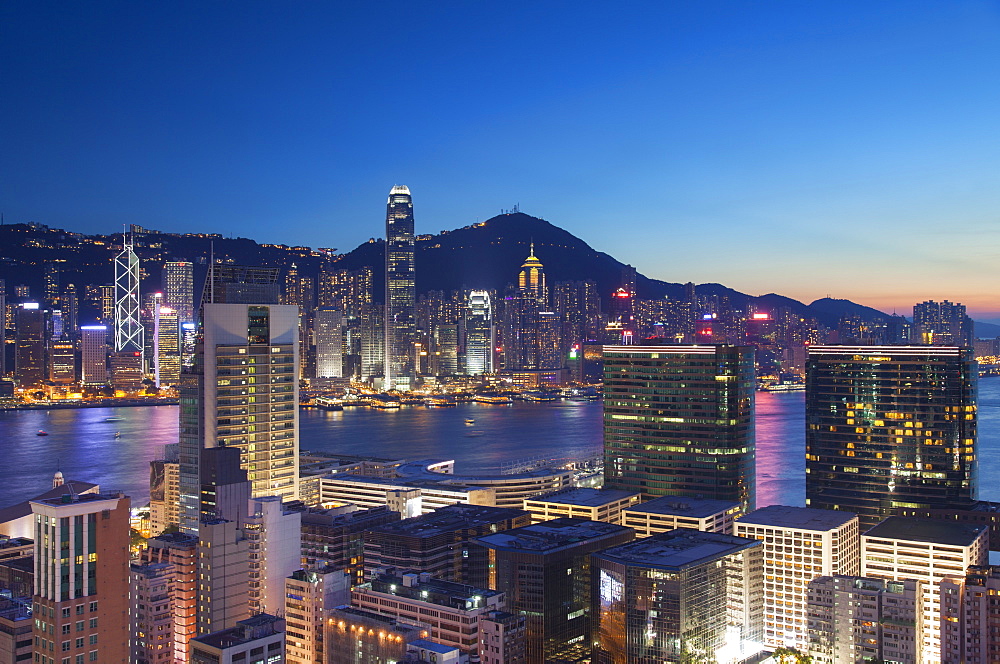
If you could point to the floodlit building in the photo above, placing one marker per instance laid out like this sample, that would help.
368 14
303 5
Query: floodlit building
800 544
180 551
926 551
151 620
309 594
354 635
679 596
94 354
660 515
970 616
400 290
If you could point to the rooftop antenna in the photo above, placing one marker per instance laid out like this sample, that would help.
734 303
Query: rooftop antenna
211 272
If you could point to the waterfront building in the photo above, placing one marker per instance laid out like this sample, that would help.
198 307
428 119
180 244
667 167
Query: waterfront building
178 289
666 513
151 622
800 544
678 421
62 362
180 551
3 328
309 594
242 391
15 630
167 335
595 504
942 324
126 371
29 352
371 326
435 543
258 639
890 427
970 616
479 336
452 610
926 551
94 354
501 638
544 570
81 578
329 343
335 539
129 333
855 619
274 537
354 635
400 290
223 576
680 596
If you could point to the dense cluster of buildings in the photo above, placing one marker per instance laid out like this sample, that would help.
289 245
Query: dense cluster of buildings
258 555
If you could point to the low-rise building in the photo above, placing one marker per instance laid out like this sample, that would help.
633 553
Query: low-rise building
15 630
663 514
354 635
501 638
151 618
256 640
452 610
855 619
582 503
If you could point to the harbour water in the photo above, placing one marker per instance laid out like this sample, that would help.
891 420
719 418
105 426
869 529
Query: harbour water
82 443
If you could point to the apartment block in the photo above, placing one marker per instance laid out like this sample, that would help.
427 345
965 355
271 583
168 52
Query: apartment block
668 512
970 617
309 594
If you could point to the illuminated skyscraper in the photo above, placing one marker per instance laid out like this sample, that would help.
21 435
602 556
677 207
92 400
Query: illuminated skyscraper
890 427
178 288
679 421
531 279
242 391
478 334
942 324
329 343
400 289
94 354
29 358
128 328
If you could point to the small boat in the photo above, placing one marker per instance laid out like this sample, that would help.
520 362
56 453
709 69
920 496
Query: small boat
118 434
470 421
114 419
42 432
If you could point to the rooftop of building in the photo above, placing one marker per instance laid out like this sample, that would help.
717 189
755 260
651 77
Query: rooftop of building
549 536
798 518
22 563
77 498
23 509
420 470
15 608
260 626
449 518
584 496
176 538
931 531
423 587
150 570
696 508
677 549
349 612
432 646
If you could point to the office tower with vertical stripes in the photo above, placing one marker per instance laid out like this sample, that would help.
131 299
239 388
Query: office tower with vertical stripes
400 290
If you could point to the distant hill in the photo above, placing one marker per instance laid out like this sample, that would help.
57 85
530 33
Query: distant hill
486 255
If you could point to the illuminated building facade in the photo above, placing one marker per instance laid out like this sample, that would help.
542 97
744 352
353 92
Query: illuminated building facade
128 327
942 324
329 331
681 596
94 354
62 362
890 427
178 289
309 594
678 421
479 338
545 572
29 355
400 290
354 635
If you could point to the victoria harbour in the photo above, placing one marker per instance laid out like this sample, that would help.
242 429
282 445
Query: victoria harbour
82 443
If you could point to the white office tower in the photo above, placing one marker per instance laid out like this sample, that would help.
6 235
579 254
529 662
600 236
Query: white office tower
479 338
927 551
329 331
275 538
94 354
309 594
800 544
242 391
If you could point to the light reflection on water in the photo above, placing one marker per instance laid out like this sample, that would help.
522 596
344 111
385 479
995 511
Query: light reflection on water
82 444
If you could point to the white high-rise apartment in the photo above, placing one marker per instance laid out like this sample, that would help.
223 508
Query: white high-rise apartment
800 544
928 551
309 594
329 330
275 539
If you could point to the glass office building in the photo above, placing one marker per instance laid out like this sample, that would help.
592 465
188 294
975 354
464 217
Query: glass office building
890 427
678 421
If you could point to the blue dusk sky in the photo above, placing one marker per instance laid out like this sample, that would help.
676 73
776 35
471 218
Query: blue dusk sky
842 148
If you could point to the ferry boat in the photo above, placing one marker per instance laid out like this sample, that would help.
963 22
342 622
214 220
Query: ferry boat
781 387
492 398
42 432
383 403
439 402
538 396
328 403
470 421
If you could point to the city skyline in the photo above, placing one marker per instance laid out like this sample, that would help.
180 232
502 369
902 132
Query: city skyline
825 150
